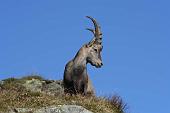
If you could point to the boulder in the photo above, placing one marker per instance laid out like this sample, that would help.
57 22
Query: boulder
53 88
50 87
1 82
53 109
34 85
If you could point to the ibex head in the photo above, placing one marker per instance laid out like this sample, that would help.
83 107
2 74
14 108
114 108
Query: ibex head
95 45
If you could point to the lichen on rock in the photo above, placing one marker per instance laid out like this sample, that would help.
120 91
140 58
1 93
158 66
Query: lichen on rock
53 109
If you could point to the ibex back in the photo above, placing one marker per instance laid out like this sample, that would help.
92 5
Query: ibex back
76 80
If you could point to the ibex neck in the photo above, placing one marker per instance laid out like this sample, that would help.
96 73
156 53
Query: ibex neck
80 58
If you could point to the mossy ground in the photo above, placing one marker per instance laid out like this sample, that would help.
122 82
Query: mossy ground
14 95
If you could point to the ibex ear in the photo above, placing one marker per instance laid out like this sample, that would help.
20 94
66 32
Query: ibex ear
98 41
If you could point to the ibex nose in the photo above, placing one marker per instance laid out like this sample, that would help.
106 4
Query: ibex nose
101 63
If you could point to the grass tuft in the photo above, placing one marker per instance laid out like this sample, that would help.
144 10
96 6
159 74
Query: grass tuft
117 102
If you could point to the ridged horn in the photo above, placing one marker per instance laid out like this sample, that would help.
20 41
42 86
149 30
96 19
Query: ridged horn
96 32
91 30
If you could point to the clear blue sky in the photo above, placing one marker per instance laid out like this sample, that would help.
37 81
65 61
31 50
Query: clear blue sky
41 36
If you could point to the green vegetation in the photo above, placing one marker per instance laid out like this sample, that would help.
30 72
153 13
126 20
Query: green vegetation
14 95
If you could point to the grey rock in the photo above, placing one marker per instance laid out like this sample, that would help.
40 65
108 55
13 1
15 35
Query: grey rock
50 87
53 88
1 82
33 85
22 110
53 109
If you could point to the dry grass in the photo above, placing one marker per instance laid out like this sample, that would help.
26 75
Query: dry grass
32 76
14 95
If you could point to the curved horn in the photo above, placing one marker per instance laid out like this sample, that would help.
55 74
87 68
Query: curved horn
91 30
97 27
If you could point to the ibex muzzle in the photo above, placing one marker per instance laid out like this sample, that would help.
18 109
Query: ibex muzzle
76 80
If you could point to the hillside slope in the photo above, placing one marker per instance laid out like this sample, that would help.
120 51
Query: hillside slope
34 94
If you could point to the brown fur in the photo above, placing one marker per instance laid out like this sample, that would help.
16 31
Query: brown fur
76 80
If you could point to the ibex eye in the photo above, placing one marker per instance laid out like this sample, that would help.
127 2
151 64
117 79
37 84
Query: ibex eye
95 50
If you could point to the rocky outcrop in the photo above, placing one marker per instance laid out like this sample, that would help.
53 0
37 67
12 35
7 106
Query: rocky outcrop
53 109
34 94
53 88
50 87
33 85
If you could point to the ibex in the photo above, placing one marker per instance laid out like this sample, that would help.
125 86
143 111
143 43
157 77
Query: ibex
76 79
